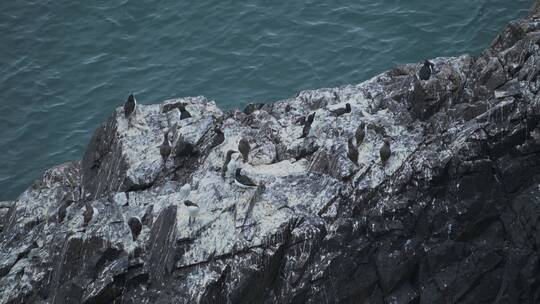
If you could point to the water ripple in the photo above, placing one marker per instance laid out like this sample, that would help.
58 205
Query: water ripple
65 66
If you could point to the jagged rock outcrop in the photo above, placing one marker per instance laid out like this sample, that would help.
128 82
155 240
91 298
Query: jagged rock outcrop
452 217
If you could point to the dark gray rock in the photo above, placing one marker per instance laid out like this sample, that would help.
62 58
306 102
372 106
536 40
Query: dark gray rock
452 217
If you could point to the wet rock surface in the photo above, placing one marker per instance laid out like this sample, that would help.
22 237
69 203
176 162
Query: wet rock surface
452 217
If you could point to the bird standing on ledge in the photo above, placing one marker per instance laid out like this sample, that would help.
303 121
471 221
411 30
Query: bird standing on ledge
243 181
341 111
385 151
307 125
130 107
244 148
165 148
193 211
360 134
426 70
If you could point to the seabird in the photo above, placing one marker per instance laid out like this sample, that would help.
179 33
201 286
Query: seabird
244 148
307 125
336 96
165 148
129 106
385 151
135 225
242 180
219 138
360 134
193 210
341 111
352 152
426 70
185 190
183 112
88 213
226 163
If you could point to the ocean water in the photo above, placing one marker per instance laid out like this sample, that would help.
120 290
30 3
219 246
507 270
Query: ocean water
65 65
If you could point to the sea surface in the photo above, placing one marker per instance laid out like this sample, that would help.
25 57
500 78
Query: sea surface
65 65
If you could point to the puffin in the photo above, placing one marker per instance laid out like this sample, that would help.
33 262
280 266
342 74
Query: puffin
129 106
228 158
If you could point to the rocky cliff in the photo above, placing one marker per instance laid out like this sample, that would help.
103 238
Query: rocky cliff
453 216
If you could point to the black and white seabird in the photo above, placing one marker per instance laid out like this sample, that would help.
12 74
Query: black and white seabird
242 180
135 226
165 148
183 112
227 161
426 70
360 134
341 111
307 125
385 151
352 151
244 148
193 210
218 139
129 106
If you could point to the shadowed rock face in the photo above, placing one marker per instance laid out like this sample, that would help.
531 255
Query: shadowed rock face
453 216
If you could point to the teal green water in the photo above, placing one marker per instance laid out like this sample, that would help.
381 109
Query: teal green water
65 65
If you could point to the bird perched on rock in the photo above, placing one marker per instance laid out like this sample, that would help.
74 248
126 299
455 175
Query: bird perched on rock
243 181
135 226
426 70
183 112
307 125
193 210
341 111
228 158
360 134
165 148
129 106
218 139
385 151
89 213
244 148
352 152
